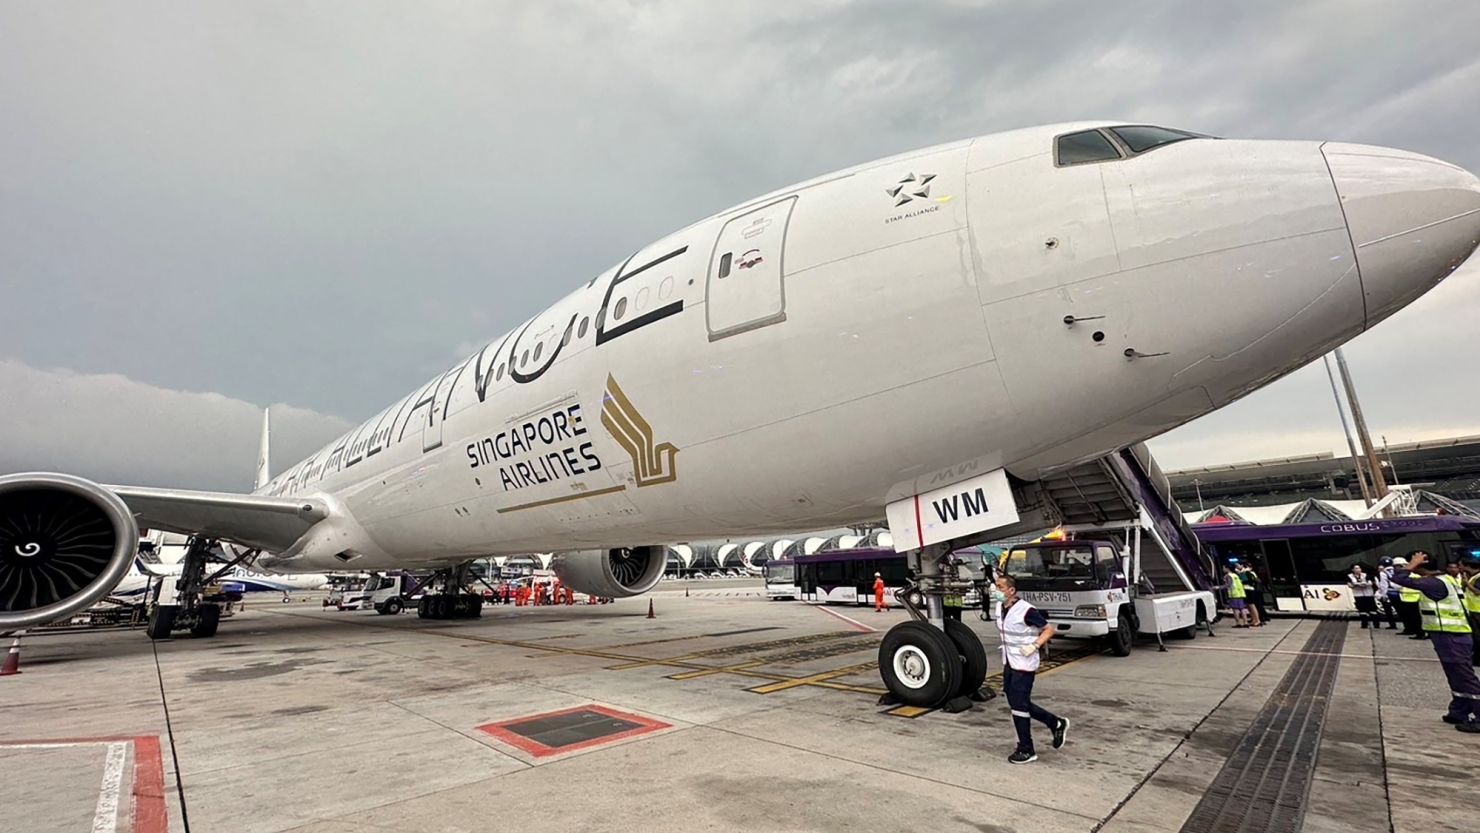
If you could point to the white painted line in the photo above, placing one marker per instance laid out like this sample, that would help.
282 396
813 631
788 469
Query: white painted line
4 746
848 619
105 819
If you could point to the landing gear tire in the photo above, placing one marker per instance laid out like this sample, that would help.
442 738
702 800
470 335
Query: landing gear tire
161 620
921 666
208 619
1123 637
973 657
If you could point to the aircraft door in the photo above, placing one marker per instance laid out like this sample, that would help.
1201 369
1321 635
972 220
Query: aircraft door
745 290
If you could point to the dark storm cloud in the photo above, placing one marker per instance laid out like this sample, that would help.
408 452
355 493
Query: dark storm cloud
326 204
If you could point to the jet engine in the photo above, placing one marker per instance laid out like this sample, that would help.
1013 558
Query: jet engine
613 573
65 542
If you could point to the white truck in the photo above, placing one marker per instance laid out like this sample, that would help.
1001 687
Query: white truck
388 594
1096 586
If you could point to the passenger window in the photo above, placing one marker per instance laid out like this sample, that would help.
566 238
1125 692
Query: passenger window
500 374
621 308
1141 138
1089 146
584 322
724 264
538 349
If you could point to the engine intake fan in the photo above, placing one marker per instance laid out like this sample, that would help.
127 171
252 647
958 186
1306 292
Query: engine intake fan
65 542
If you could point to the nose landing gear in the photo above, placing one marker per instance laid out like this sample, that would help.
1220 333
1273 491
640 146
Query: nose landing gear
931 661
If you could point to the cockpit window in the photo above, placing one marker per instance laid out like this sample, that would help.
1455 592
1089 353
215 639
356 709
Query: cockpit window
1089 146
1141 138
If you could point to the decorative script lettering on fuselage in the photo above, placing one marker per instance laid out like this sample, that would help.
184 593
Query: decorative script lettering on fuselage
539 450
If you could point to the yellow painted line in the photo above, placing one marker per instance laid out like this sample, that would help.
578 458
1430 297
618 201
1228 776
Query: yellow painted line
823 677
643 663
564 498
708 672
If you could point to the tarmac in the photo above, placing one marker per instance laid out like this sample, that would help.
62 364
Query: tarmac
725 712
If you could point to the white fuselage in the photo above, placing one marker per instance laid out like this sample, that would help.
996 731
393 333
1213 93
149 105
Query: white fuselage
801 360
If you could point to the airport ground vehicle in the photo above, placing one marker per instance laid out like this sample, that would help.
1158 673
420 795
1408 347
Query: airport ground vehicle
781 580
387 593
847 576
1094 587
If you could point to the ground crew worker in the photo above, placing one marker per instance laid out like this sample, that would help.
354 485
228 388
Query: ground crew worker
1471 569
1024 631
1235 587
1442 612
1408 604
879 593
953 605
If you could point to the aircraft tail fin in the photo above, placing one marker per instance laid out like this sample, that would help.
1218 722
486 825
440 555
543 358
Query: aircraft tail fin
264 472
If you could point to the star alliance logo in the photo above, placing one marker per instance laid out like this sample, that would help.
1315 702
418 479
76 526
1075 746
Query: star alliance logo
911 189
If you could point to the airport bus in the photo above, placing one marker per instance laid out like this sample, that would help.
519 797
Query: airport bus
847 576
781 581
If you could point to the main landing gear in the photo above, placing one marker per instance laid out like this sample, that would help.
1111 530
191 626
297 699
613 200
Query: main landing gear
180 603
932 661
452 601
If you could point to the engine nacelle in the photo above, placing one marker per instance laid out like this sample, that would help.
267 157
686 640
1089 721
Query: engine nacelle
614 573
65 542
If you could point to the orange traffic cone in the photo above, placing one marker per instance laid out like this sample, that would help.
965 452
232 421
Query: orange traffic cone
12 659
651 614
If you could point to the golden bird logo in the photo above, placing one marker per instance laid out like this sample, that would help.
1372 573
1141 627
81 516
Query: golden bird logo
652 463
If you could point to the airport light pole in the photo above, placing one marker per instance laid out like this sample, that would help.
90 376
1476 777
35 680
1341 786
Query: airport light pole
1346 431
1374 467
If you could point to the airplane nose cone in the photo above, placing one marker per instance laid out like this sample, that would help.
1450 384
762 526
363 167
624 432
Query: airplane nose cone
1413 220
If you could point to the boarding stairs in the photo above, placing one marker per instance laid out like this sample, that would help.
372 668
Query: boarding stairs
1123 492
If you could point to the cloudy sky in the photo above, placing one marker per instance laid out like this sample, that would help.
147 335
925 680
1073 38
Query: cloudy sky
210 207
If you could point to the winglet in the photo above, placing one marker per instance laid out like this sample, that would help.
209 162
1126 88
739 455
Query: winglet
264 473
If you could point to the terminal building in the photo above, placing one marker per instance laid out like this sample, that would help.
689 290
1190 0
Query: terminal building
1302 522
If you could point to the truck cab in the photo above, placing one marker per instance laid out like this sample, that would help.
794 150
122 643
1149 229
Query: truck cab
1088 589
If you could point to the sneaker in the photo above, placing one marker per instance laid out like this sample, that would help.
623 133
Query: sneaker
1471 726
1021 757
1060 732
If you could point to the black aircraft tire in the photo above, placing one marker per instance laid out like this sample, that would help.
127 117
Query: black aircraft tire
207 621
921 666
973 657
161 620
1123 637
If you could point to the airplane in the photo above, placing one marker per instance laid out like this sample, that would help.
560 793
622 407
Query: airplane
234 580
966 319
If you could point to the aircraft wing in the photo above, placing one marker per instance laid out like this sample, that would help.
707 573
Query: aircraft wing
269 523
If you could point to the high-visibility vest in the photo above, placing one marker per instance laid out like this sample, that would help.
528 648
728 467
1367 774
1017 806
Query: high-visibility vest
1235 587
1408 594
1448 614
1472 595
1015 632
951 600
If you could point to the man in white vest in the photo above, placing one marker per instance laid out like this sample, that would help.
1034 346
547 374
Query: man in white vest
1024 631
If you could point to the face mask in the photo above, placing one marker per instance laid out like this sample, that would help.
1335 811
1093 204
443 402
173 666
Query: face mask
998 595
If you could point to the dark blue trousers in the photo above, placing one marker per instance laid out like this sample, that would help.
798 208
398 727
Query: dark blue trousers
1018 686
1456 656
